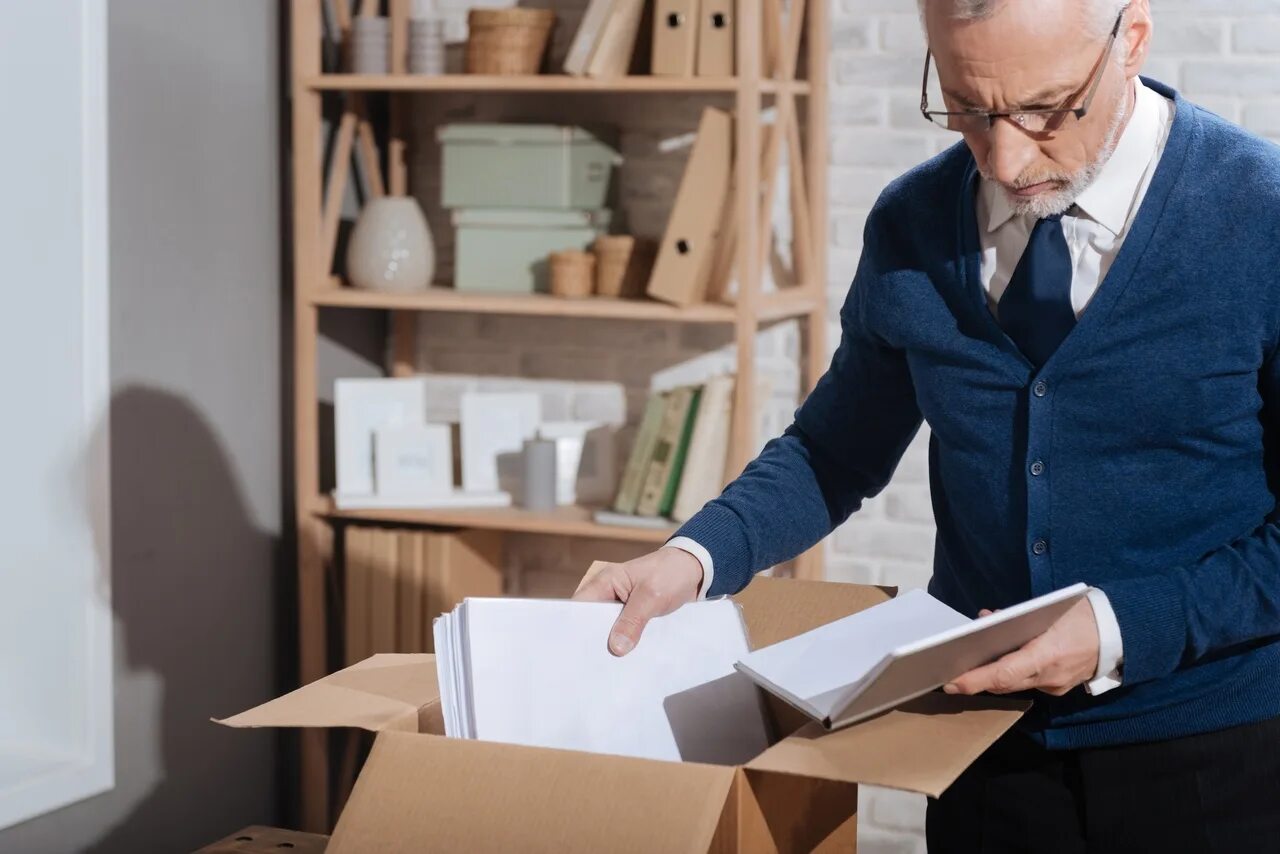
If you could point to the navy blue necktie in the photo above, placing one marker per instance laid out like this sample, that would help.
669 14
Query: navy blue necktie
1035 310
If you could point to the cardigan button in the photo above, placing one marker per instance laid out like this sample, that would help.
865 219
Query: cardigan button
1040 547
1037 468
1040 389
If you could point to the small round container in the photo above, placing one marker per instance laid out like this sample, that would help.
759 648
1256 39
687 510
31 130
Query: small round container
573 273
624 264
508 41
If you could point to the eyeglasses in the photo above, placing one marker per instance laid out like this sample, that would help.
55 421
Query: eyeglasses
1033 121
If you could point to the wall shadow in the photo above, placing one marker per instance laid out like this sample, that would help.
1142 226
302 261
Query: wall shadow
195 587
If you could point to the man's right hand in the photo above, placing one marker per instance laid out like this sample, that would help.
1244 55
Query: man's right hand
649 586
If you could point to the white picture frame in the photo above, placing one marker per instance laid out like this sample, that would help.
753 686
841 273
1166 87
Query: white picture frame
361 408
495 426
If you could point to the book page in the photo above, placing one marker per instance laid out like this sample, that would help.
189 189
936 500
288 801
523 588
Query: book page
831 657
541 674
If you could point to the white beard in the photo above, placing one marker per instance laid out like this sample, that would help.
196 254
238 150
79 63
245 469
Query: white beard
1054 202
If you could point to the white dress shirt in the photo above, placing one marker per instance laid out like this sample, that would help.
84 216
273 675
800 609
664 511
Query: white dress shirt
1094 229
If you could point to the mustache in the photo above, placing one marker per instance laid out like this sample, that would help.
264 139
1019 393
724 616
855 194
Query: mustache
1023 181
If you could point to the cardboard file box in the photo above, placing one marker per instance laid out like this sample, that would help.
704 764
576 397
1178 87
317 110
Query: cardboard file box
505 250
525 166
422 792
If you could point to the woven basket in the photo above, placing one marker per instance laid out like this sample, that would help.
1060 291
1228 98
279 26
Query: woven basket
624 265
508 41
573 273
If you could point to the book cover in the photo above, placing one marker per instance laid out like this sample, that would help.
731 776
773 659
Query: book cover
587 37
664 451
641 454
703 476
617 41
681 454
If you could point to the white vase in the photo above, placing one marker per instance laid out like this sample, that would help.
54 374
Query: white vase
390 247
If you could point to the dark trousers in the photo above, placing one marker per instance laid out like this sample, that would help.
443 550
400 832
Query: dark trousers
1218 792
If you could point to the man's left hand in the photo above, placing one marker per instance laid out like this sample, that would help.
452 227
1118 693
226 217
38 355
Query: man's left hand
1060 659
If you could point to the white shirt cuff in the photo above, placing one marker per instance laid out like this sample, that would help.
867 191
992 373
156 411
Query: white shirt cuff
704 557
1110 646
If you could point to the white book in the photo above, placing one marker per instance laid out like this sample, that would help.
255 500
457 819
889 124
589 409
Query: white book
874 660
538 672
587 37
708 453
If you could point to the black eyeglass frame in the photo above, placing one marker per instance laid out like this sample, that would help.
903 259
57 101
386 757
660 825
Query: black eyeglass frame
1079 112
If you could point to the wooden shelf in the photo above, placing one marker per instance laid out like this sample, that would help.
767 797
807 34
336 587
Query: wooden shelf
564 521
774 306
537 83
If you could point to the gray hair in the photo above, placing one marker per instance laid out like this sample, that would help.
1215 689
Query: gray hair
1101 16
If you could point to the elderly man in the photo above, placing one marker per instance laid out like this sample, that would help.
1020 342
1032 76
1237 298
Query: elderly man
1080 299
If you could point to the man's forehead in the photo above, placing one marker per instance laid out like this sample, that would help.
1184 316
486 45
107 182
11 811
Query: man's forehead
1013 55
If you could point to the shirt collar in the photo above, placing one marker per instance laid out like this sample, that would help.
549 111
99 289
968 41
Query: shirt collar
1110 197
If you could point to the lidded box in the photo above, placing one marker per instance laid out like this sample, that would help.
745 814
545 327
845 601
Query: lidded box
507 249
525 166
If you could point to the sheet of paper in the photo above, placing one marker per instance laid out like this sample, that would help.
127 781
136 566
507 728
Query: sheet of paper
845 651
540 673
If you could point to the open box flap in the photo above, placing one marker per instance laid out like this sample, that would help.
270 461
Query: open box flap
384 692
430 793
922 746
775 609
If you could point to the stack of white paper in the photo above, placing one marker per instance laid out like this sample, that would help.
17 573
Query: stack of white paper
871 661
538 672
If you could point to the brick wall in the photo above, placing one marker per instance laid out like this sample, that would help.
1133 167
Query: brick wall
1220 53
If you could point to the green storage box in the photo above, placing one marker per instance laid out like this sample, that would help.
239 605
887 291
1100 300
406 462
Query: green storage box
505 250
525 166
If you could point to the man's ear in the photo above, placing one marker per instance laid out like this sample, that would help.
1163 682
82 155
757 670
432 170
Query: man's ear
1137 33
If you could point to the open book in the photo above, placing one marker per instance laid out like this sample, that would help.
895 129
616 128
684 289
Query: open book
871 661
538 672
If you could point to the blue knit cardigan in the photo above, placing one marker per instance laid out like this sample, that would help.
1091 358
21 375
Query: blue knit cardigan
1154 426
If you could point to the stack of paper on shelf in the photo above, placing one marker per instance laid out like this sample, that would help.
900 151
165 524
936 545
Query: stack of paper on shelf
874 660
538 672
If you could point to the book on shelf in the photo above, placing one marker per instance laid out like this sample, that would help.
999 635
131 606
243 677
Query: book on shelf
617 43
678 459
641 455
703 475
587 36
663 475
606 39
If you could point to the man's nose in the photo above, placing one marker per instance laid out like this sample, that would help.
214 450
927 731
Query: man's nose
1009 152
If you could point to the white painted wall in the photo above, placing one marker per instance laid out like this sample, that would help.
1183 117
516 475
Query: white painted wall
55 611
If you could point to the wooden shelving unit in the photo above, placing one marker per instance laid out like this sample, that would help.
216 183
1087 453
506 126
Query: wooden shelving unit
772 307
552 83
564 521
769 45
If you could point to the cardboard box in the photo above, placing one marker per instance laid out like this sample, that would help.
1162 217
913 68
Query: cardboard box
420 791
